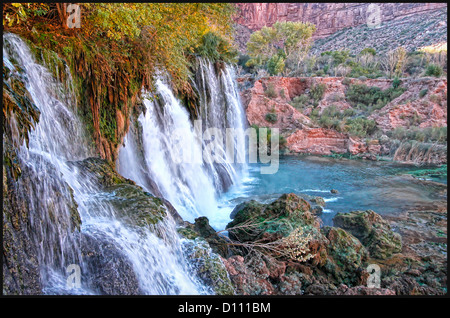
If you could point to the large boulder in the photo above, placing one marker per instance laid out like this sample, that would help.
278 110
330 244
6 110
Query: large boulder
253 220
372 230
207 266
106 271
133 203
347 257
135 206
285 228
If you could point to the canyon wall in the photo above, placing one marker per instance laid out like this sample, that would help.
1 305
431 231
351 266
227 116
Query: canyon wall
304 135
328 17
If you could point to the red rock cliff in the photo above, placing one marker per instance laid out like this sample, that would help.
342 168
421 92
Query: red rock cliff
328 17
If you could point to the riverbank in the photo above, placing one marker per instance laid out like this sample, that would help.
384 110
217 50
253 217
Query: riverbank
280 248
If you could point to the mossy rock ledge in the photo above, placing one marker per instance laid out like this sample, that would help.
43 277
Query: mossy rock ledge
131 203
372 230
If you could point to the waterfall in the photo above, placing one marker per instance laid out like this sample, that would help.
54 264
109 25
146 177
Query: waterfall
54 187
152 154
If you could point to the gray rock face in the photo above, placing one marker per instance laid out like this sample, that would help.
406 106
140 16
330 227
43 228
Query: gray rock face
106 270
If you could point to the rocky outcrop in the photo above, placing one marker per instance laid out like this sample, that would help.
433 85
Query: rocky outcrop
259 103
411 32
268 100
263 263
328 17
125 192
319 141
423 104
281 249
374 232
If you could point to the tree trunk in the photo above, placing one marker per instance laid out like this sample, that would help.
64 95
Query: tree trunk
63 15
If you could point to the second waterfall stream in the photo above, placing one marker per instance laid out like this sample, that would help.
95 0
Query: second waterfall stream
152 153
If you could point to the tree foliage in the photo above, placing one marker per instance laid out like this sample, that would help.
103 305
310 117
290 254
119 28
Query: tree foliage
293 39
119 47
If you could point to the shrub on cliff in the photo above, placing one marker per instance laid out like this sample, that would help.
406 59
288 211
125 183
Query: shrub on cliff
360 127
433 70
316 92
271 118
369 98
216 48
270 91
300 102
427 134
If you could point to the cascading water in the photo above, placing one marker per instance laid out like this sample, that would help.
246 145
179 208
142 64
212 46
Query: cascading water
154 152
52 184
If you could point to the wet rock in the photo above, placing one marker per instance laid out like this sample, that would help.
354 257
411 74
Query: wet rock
334 191
131 200
208 266
135 206
30 227
316 210
100 169
372 230
187 231
318 200
106 270
21 274
218 244
347 257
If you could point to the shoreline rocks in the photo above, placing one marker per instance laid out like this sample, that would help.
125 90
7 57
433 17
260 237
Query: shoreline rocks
280 248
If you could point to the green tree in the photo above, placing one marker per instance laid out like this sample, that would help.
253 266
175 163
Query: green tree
292 38
276 64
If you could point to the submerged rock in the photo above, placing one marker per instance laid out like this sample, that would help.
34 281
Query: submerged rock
318 200
372 230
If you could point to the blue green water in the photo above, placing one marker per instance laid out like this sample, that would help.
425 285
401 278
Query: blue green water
361 185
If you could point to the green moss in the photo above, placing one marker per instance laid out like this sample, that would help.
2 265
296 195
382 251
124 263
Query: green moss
280 218
134 205
102 171
209 267
187 233
437 172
